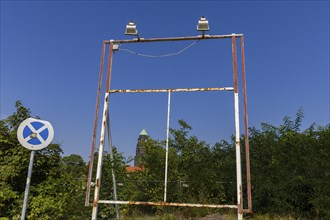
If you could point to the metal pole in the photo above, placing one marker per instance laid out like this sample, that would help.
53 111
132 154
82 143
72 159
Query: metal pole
237 134
27 186
107 87
246 129
100 159
91 157
101 148
112 163
167 137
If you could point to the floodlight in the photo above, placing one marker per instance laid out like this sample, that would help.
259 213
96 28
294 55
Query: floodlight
131 29
203 24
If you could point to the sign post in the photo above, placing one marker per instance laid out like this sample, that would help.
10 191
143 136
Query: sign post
27 186
33 134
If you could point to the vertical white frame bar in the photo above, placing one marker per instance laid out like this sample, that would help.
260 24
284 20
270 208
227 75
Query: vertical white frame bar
238 160
167 140
237 135
100 158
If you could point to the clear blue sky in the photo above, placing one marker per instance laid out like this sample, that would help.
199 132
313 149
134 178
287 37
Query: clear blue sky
50 54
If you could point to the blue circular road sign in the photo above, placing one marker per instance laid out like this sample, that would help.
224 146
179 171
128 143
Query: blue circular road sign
35 134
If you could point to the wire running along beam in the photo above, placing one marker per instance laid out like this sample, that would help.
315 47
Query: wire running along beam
159 56
148 40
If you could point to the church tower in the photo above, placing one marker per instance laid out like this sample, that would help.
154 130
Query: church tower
139 147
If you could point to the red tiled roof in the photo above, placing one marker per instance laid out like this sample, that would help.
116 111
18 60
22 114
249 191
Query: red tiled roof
131 169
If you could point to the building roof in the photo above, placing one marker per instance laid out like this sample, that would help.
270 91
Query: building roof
130 169
143 132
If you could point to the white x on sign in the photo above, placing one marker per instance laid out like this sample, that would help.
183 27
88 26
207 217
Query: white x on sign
35 134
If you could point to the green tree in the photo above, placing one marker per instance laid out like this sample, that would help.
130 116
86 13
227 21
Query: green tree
118 165
56 185
290 173
62 194
14 161
192 176
290 169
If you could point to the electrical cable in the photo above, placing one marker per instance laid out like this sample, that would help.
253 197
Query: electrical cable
160 56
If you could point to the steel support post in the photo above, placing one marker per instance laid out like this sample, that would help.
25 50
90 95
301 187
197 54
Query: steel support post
237 134
246 129
108 80
27 186
167 139
100 158
91 157
102 139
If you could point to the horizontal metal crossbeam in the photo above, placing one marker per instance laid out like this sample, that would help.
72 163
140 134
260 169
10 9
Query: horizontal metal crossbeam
167 204
171 90
146 40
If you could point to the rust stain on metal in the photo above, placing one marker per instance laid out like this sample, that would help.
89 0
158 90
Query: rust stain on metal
94 203
247 211
234 54
107 87
240 205
105 115
240 208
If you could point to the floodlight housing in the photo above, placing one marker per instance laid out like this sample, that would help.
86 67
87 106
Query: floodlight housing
203 24
131 29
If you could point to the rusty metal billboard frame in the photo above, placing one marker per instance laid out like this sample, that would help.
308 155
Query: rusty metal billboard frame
105 120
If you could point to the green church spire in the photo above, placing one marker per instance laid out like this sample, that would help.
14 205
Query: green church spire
143 132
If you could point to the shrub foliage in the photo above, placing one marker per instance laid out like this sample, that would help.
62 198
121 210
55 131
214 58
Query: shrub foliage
290 174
